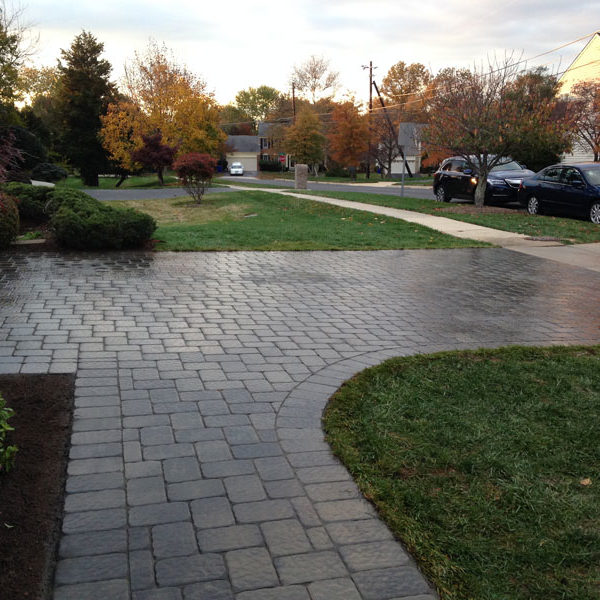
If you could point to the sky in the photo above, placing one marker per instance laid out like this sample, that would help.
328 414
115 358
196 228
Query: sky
235 45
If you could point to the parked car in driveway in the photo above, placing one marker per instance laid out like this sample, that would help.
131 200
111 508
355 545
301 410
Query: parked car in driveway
236 168
565 189
455 178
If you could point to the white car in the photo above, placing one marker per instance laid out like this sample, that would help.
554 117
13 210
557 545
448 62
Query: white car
236 168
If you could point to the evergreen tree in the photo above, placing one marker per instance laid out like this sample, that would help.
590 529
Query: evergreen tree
84 94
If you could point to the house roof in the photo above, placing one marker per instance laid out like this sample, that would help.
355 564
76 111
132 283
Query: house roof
264 128
243 143
409 136
585 67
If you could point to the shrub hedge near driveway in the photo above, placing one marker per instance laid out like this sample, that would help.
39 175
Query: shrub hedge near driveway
83 223
9 220
79 221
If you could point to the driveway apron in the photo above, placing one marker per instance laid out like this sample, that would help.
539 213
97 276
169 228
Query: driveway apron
198 467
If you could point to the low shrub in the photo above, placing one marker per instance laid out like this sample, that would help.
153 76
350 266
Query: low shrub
83 223
271 165
196 171
9 220
48 172
7 453
56 197
31 200
337 171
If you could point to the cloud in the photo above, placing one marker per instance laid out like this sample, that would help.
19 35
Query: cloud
258 42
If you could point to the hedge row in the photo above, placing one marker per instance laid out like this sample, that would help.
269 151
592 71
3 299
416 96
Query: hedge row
87 224
78 220
9 221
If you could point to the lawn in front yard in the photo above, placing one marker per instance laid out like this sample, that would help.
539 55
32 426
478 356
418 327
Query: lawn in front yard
485 464
254 220
569 231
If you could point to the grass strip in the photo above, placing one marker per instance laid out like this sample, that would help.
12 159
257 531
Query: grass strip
254 220
485 464
569 231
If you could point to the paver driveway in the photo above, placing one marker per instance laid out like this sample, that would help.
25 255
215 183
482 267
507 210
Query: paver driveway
198 468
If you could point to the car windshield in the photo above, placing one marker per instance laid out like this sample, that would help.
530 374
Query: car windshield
236 166
507 166
592 174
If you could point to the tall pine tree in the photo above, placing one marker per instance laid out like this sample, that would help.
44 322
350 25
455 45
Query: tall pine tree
84 94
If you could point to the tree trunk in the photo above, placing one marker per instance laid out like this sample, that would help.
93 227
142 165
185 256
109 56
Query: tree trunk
480 192
122 178
160 176
90 178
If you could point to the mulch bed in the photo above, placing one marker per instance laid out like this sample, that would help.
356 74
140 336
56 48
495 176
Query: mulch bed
471 209
31 494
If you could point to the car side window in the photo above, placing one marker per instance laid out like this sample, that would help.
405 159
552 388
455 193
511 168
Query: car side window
447 166
459 165
571 176
552 174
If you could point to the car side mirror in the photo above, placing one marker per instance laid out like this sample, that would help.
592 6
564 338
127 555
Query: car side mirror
578 183
468 171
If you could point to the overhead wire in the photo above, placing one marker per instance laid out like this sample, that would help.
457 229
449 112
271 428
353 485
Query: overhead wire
416 101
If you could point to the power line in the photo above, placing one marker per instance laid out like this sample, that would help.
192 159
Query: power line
558 74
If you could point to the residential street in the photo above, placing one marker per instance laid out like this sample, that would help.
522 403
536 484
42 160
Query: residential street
393 190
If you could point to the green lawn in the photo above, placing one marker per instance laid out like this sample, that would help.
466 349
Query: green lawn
485 464
569 231
136 181
254 220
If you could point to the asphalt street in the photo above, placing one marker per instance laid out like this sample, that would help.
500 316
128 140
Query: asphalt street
412 192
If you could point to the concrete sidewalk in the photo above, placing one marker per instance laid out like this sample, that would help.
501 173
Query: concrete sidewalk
581 255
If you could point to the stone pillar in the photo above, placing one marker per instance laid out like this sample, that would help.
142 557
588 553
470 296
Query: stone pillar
301 177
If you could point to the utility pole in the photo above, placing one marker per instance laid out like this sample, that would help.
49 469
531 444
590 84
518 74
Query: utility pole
392 130
370 67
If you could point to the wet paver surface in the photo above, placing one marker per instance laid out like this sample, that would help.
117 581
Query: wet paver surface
198 468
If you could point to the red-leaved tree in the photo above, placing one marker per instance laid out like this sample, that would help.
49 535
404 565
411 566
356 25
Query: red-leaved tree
586 114
348 137
155 155
196 172
10 156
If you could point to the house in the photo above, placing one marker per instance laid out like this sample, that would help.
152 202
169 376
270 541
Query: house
243 149
409 139
585 67
268 149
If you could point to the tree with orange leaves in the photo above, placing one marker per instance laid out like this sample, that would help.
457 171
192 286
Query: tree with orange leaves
348 136
162 97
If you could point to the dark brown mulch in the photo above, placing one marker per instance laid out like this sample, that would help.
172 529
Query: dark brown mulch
31 494
471 209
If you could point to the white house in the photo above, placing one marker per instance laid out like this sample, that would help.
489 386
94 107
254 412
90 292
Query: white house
585 67
409 139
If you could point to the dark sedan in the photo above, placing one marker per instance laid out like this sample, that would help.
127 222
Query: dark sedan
566 189
456 179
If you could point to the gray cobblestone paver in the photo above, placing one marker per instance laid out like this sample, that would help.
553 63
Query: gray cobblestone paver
198 468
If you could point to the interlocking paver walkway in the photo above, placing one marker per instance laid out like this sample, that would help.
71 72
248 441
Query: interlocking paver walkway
198 468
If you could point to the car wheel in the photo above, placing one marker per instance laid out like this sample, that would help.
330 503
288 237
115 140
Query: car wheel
441 195
595 213
533 205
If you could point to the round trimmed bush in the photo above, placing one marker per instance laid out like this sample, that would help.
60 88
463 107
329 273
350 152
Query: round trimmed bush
9 220
48 172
